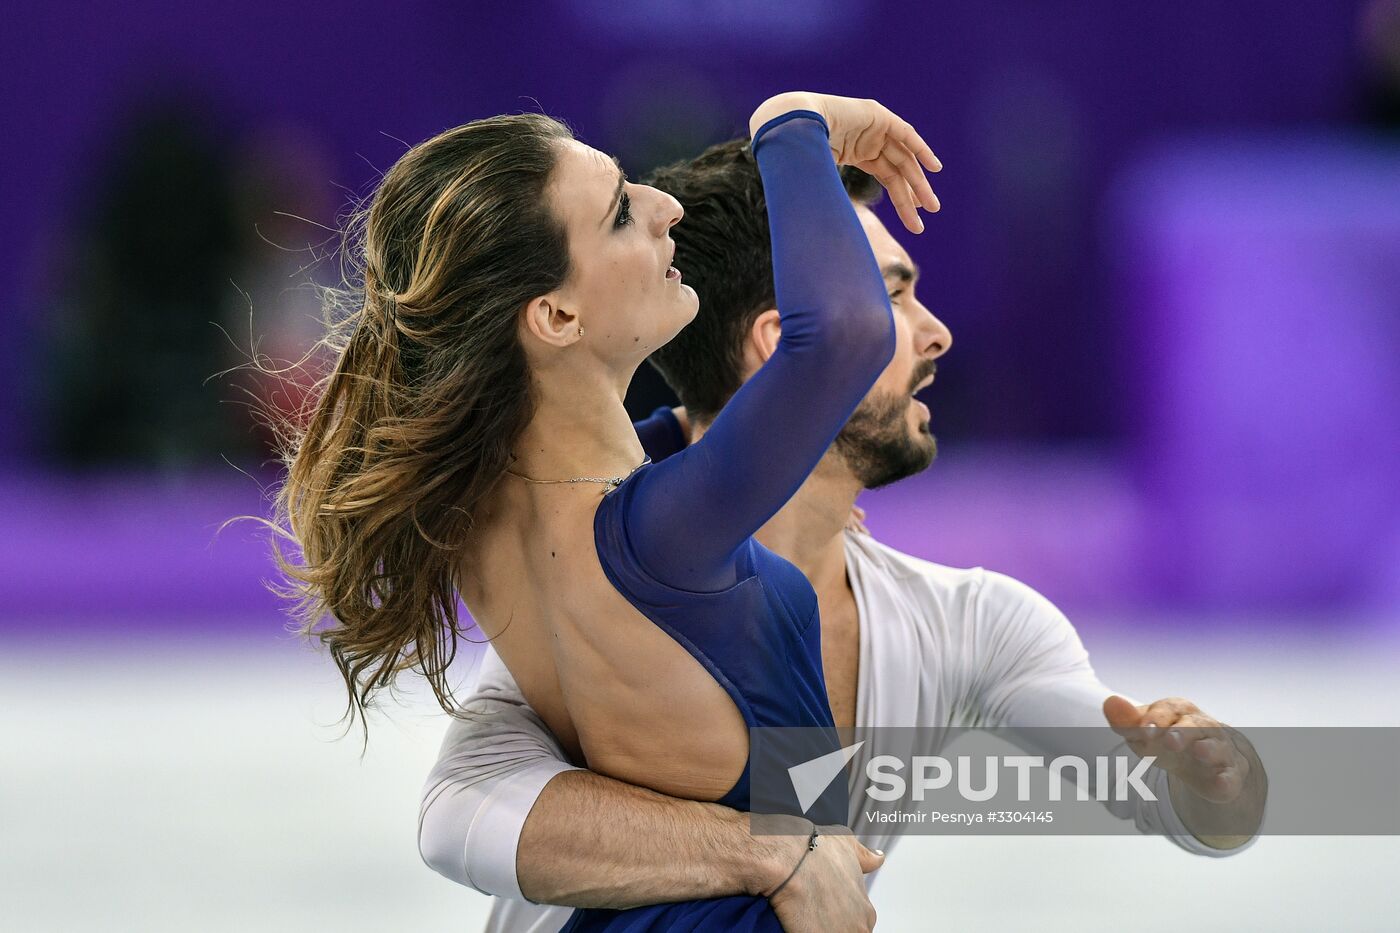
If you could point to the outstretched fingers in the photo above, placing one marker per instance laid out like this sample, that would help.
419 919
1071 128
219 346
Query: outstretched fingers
870 136
905 162
912 141
901 195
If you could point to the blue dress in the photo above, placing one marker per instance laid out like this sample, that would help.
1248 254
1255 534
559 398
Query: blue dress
676 538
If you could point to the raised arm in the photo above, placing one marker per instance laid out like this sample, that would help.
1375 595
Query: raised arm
689 514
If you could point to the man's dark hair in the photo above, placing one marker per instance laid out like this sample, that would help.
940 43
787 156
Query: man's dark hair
723 250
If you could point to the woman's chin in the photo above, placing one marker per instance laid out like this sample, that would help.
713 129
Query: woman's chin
678 313
690 303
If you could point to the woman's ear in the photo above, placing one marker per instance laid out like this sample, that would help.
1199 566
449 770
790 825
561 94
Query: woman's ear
762 340
549 323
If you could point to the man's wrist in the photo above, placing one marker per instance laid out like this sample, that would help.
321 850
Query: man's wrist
768 860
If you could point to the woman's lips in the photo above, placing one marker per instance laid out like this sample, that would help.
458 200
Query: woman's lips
673 274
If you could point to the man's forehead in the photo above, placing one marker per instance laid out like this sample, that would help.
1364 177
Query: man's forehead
888 251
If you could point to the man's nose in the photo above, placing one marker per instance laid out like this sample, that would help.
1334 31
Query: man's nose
934 337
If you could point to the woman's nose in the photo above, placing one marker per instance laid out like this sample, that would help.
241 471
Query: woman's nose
670 211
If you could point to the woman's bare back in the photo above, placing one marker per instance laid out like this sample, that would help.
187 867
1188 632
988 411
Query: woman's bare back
622 696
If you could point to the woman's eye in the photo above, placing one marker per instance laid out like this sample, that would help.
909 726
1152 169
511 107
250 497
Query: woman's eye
624 211
896 293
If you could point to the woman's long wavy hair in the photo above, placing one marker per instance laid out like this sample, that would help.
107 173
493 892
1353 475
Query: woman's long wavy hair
424 394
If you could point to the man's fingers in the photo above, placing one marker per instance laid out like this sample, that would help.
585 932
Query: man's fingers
1226 785
1160 718
1164 713
1217 784
1191 727
1213 753
1184 741
1197 750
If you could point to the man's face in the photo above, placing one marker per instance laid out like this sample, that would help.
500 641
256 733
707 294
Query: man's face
888 436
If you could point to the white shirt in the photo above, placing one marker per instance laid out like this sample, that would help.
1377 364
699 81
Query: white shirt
939 647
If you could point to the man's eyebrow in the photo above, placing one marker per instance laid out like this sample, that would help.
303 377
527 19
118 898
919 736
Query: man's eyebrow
617 192
905 272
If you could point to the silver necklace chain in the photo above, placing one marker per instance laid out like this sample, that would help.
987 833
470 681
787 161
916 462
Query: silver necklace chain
613 481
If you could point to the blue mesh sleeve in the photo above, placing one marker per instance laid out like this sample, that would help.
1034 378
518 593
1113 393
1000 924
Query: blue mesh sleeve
691 513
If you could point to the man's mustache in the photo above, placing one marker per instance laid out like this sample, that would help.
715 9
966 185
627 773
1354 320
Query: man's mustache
922 371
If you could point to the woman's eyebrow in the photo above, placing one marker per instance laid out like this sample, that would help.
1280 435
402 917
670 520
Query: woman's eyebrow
617 192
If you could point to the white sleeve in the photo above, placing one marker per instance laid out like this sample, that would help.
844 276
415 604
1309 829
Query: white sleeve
493 765
1033 671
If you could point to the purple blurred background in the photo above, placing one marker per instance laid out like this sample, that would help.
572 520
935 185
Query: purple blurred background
1169 254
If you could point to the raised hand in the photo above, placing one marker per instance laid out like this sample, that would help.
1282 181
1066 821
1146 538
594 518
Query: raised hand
868 135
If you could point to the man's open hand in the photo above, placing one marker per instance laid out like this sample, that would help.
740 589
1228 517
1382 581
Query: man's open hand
1189 745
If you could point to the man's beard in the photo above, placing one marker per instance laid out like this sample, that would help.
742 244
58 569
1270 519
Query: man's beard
876 443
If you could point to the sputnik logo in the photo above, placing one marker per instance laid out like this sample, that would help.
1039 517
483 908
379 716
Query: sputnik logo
811 778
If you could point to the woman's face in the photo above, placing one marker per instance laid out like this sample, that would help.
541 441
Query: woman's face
622 289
